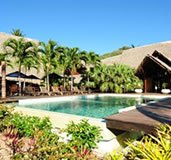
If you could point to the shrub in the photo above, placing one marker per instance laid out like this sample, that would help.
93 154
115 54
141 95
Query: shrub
115 156
27 125
5 116
152 147
83 134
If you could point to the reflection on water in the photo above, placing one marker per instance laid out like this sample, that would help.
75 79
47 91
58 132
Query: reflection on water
97 107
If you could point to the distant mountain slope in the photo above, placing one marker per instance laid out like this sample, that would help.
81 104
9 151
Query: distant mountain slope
114 53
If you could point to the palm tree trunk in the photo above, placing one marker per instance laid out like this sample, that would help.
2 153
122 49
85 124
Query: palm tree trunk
72 81
47 77
64 79
24 83
3 80
88 79
19 81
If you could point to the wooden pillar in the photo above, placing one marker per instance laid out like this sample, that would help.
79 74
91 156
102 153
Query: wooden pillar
148 85
3 80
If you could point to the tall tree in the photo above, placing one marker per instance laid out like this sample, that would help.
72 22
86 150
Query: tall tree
91 60
3 62
72 59
20 50
49 55
17 32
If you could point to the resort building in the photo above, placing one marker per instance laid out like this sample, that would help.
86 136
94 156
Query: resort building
152 64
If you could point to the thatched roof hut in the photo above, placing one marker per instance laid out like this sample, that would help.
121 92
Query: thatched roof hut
152 64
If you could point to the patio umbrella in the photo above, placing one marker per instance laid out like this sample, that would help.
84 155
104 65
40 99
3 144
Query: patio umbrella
16 75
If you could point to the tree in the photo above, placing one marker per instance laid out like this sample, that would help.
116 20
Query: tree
17 32
49 57
91 60
3 62
71 58
117 78
20 50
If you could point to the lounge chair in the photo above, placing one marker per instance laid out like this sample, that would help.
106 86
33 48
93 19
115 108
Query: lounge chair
83 90
55 90
44 91
29 90
76 90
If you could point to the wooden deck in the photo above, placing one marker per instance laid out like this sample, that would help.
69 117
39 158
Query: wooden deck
143 118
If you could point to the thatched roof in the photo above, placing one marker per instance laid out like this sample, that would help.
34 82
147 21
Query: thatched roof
133 57
3 38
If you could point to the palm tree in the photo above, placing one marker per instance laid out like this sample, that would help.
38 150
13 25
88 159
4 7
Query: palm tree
17 32
49 58
91 60
71 58
20 50
3 62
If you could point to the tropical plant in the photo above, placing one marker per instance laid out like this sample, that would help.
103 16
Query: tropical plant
49 58
153 147
27 125
91 60
116 78
115 156
71 58
17 32
83 134
21 50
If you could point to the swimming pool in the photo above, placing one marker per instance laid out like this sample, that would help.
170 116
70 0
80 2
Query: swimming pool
96 106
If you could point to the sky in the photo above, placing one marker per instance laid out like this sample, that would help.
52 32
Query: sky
100 26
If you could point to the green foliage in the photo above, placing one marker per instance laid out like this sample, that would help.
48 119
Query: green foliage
153 147
5 111
115 156
27 125
114 53
116 78
83 134
5 116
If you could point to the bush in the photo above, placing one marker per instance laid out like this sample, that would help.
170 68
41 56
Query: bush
27 125
5 116
83 134
152 147
31 137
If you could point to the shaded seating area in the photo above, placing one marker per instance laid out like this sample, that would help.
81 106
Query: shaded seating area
29 84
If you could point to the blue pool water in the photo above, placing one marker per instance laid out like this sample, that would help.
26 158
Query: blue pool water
96 106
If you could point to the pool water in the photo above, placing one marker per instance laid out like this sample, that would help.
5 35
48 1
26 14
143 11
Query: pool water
96 106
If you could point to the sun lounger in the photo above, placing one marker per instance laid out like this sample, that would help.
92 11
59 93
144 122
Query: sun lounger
76 91
29 90
44 91
55 90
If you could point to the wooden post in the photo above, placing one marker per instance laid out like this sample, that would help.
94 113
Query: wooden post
3 80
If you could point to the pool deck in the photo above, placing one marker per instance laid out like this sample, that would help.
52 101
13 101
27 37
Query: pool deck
143 118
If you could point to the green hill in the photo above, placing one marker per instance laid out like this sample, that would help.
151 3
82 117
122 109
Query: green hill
115 53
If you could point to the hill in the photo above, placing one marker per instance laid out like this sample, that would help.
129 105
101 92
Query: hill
115 53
